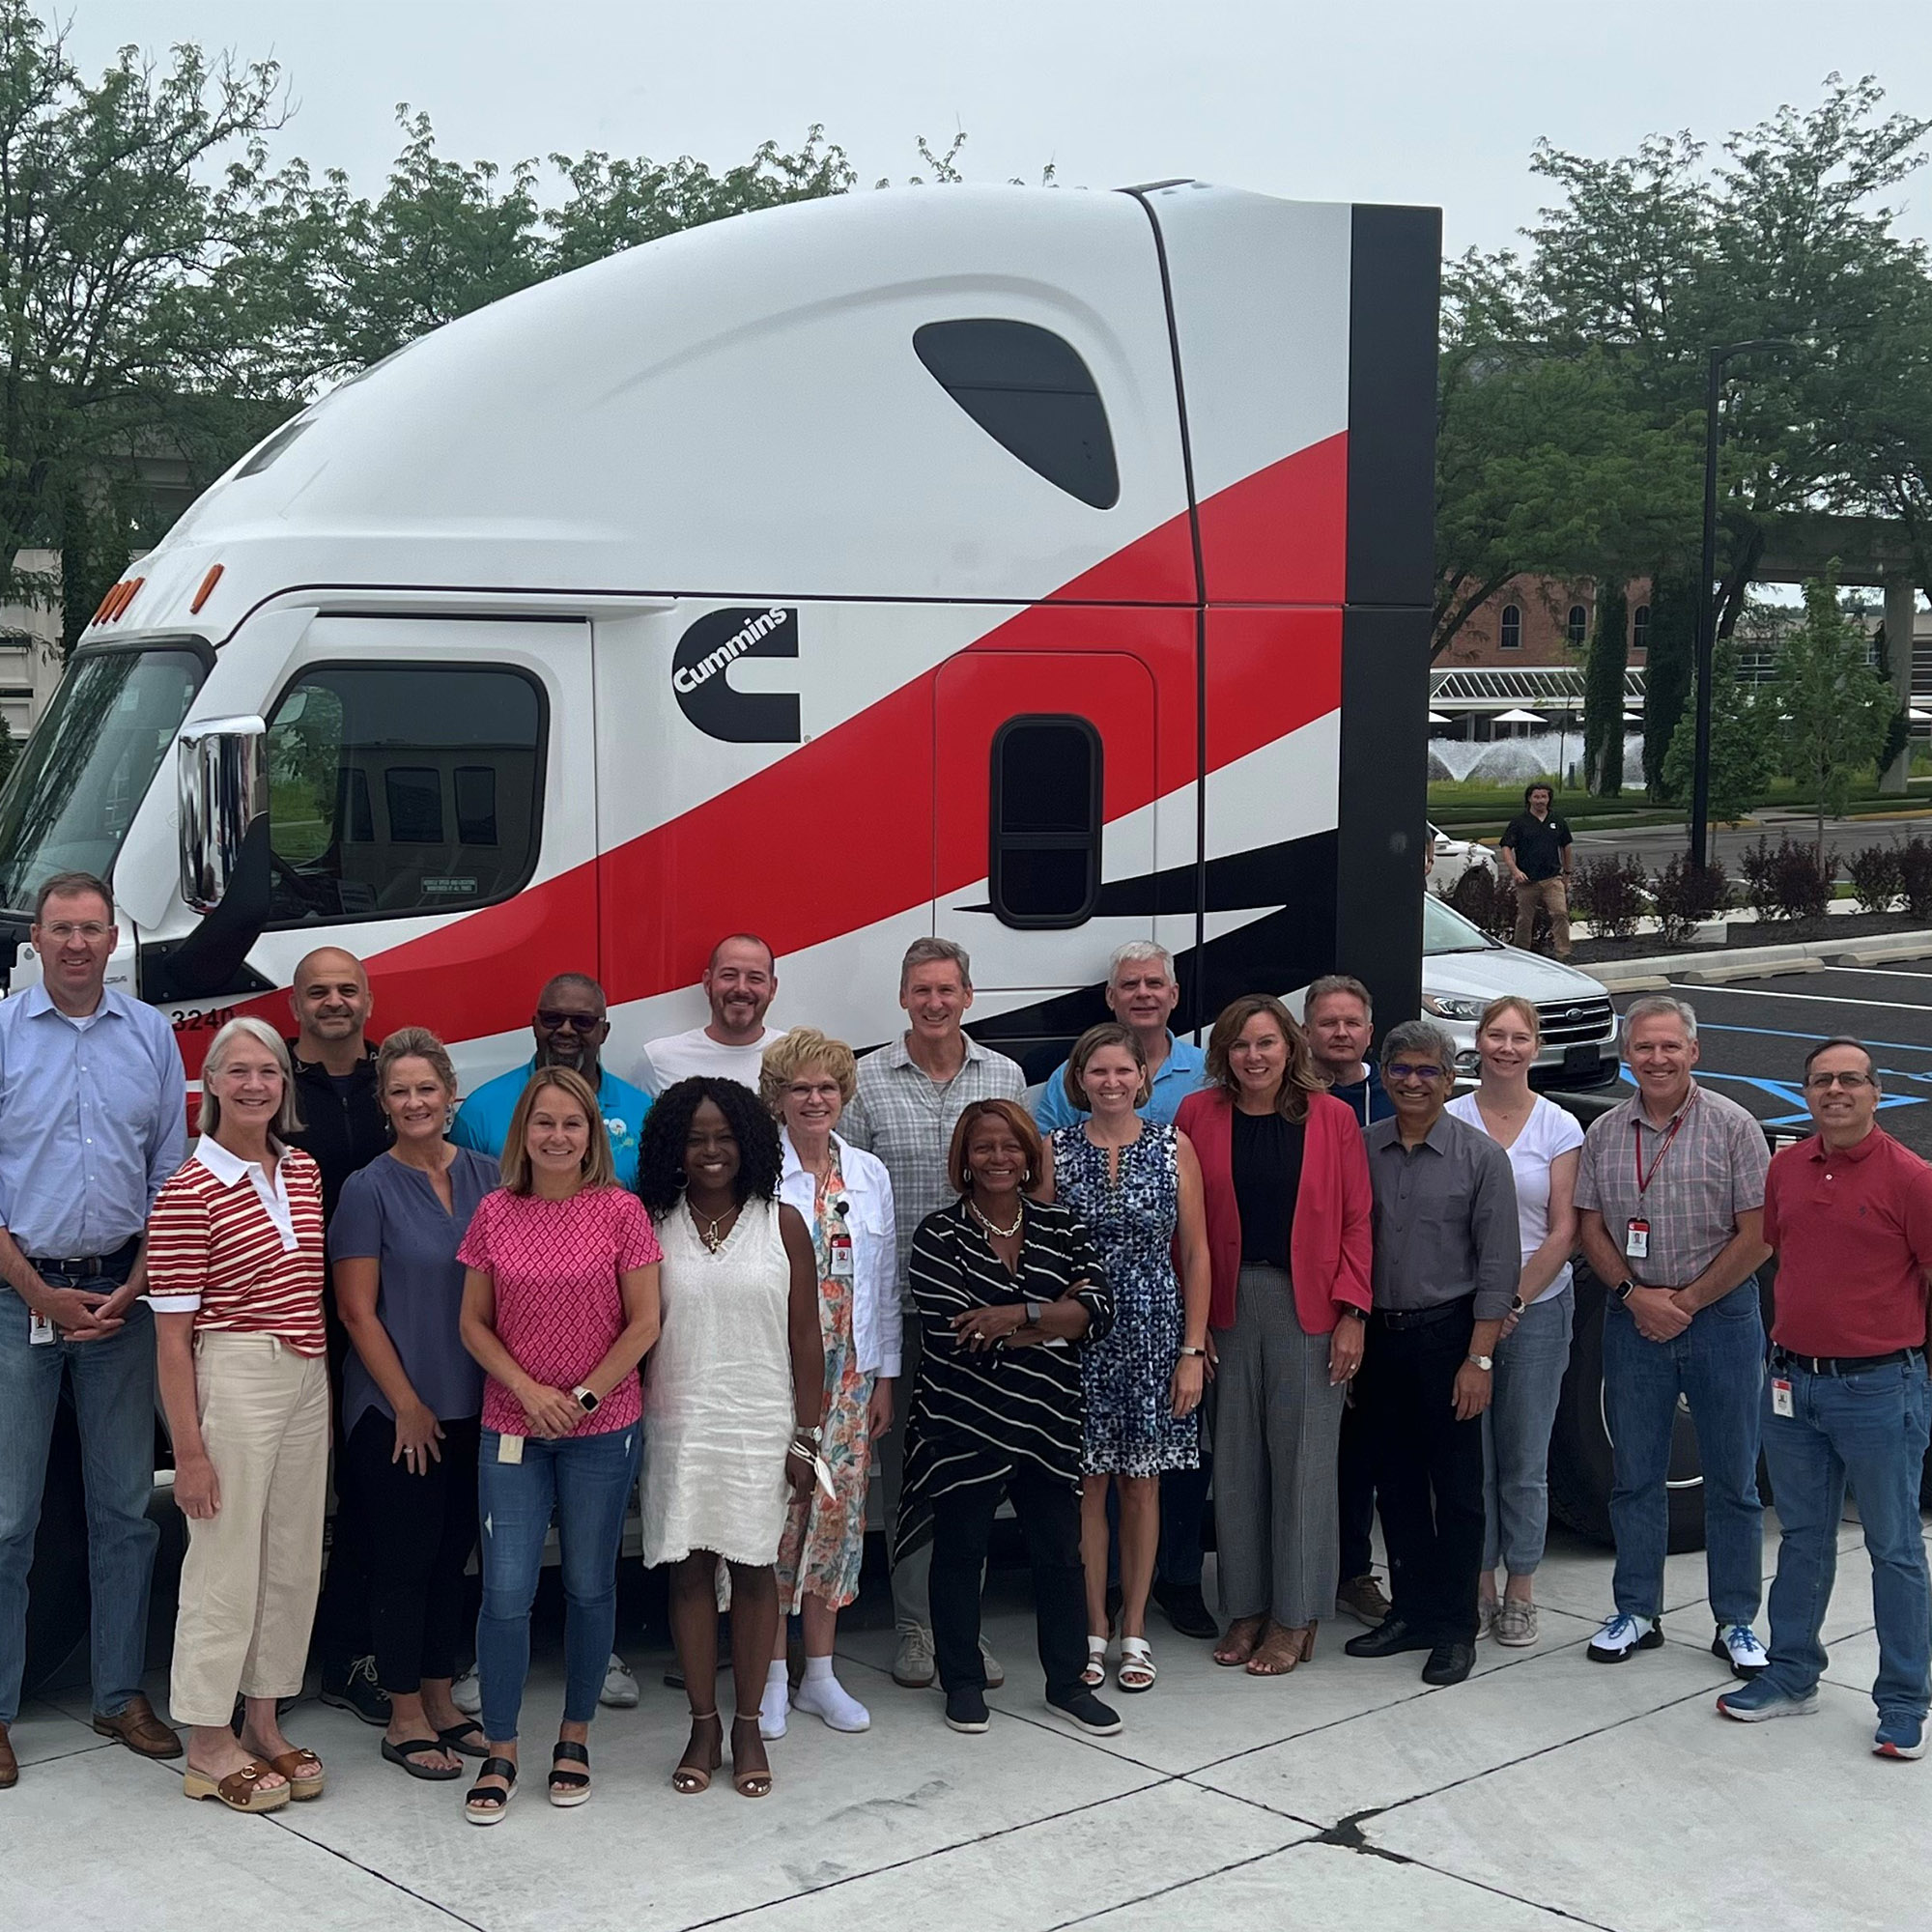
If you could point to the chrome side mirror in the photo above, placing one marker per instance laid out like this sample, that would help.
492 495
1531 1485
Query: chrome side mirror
224 791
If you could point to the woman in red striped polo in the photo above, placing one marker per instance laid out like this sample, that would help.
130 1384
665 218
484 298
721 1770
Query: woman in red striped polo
235 1272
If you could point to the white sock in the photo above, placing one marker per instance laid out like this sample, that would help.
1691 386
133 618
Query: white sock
824 1696
773 1705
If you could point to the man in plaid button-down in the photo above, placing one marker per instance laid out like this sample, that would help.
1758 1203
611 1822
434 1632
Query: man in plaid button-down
911 1094
1671 1193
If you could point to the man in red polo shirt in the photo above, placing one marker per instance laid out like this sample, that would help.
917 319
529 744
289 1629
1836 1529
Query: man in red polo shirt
1849 1213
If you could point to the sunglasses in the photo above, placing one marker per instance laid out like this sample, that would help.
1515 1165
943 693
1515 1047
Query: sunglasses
553 1021
1403 1071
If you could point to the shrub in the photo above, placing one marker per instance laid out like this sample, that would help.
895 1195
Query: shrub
1486 900
1789 881
1914 875
1611 893
1876 877
1686 894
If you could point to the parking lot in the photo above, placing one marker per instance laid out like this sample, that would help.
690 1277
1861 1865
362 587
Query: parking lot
1753 1035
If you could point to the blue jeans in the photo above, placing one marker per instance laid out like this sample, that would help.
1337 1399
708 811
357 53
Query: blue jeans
586 1481
1872 1428
1515 1433
1718 1366
113 1382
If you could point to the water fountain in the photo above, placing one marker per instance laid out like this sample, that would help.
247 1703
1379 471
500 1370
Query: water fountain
1518 761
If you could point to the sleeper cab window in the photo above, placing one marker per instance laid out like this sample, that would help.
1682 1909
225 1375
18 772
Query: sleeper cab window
1044 863
1030 391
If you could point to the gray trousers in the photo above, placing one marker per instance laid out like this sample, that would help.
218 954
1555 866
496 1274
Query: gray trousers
1277 1432
911 1574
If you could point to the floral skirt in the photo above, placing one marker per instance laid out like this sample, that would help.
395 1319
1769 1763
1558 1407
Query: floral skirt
823 1547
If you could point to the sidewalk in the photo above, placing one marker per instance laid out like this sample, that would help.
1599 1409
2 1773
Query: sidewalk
1544 1793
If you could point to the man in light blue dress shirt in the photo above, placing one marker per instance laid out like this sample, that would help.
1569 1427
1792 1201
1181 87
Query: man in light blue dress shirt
93 1120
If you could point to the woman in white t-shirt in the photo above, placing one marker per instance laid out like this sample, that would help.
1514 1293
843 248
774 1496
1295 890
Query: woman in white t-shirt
1542 1141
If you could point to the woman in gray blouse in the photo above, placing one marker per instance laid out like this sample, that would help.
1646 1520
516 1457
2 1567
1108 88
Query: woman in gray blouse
412 1395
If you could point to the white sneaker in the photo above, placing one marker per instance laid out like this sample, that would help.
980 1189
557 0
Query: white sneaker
913 1668
1738 1645
827 1699
995 1671
775 1703
466 1693
1622 1637
620 1687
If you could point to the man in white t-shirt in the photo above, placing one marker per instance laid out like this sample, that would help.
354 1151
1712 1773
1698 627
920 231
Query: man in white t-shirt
741 982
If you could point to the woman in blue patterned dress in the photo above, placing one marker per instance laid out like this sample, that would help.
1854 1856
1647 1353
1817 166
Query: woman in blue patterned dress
1134 1182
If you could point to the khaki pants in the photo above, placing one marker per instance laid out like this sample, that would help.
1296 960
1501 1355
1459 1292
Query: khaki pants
1553 897
248 1585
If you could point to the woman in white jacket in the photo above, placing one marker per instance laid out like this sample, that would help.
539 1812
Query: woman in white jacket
846 1200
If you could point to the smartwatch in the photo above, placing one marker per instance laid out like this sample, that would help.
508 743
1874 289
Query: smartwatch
1034 1310
586 1401
1518 1304
1483 1363
1360 1314
1626 1288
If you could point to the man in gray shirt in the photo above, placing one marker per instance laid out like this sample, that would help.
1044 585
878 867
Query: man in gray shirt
1448 1255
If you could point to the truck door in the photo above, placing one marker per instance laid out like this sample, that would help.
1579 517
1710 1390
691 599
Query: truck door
1047 832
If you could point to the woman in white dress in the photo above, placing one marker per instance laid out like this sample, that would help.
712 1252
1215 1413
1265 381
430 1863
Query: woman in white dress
1543 1142
733 1398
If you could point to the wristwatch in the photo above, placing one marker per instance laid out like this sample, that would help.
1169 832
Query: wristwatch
1518 1304
1034 1310
586 1401
1360 1314
1483 1363
1626 1288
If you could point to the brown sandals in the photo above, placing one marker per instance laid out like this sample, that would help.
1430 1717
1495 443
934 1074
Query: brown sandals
304 1771
749 1782
1281 1650
693 1773
240 1790
1243 1638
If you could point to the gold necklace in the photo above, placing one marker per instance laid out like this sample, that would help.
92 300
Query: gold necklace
713 1241
992 1227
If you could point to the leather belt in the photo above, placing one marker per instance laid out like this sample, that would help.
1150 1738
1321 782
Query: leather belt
85 1265
1840 1365
1423 1318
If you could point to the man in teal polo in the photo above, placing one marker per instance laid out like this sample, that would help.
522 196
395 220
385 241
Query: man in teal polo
570 1027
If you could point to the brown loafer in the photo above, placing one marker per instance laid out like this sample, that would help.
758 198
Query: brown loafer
10 1765
139 1729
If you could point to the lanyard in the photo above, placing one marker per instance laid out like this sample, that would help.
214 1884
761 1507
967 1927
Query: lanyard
1644 1179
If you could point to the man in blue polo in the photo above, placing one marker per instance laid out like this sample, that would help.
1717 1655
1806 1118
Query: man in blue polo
570 1026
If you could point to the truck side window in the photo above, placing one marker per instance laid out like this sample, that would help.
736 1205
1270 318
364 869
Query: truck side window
1030 393
396 790
1045 864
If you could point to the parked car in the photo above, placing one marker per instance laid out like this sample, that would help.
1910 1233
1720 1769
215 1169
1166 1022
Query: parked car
1464 968
1451 860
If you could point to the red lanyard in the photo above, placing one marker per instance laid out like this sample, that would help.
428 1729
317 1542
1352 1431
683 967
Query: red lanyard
1644 1179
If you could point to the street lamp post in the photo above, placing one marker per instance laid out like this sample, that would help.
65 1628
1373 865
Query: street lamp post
1707 603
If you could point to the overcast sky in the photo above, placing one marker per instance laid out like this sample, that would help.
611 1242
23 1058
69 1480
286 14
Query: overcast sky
1414 100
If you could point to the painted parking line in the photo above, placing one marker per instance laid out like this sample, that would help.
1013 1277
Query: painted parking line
1786 1033
1877 971
1816 999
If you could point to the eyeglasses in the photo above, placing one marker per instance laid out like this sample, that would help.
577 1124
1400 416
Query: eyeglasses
1403 1071
553 1021
62 930
1850 1082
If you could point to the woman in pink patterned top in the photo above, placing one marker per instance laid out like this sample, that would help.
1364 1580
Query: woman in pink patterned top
559 1306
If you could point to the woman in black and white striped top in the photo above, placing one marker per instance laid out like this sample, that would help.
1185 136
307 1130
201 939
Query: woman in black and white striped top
1007 1291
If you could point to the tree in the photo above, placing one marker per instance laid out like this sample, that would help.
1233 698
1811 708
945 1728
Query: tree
1670 665
1833 708
1604 693
1744 750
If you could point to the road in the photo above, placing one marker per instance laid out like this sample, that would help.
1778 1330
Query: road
1753 1035
1657 843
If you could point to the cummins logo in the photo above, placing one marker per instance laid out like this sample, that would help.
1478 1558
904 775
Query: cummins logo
701 678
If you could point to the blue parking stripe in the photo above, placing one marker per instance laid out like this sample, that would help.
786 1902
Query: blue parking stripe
1786 1033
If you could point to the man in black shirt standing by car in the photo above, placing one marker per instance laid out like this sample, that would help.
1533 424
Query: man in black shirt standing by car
344 1128
1536 848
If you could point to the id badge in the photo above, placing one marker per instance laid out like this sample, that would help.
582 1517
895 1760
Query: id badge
1636 1240
1780 1396
509 1448
40 1329
841 1245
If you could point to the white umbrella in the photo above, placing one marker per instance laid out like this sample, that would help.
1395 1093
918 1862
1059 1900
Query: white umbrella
1916 716
1633 716
1436 718
1519 716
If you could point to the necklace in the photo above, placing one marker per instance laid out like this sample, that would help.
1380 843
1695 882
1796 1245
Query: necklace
709 1233
992 1227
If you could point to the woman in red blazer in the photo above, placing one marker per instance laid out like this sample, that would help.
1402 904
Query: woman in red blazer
1286 1184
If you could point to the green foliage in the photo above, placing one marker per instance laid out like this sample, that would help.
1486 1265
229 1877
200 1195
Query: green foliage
1744 750
1670 670
1833 708
1604 693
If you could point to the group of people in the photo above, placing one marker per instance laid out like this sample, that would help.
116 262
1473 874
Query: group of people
739 1282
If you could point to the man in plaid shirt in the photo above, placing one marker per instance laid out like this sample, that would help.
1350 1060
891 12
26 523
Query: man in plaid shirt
1670 1194
911 1094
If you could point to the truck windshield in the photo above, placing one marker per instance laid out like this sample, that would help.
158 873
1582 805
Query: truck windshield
89 764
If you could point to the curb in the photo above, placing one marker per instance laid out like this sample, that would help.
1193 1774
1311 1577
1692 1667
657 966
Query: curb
1716 967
